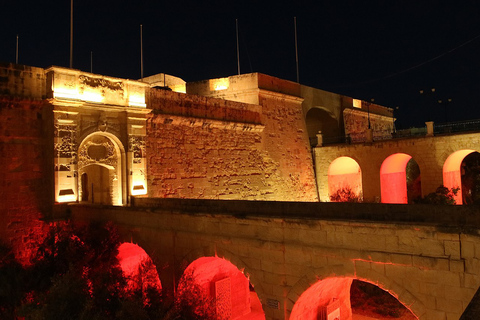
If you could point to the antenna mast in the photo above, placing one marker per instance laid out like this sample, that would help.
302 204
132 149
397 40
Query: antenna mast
71 33
16 52
296 47
238 49
141 52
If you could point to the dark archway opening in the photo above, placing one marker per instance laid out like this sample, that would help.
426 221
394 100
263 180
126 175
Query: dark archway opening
470 173
320 120
369 301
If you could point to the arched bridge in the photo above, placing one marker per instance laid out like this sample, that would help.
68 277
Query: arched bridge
426 256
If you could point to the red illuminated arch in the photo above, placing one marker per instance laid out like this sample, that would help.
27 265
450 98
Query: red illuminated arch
344 173
138 268
225 285
393 179
452 176
330 299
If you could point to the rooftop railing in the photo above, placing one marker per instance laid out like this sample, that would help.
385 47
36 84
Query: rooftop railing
438 129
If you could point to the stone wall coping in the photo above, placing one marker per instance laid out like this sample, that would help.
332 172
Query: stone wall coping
448 216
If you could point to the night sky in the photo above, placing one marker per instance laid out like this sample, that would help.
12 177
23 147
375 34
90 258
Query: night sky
385 50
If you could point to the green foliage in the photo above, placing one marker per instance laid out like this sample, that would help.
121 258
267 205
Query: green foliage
191 302
442 195
75 275
345 194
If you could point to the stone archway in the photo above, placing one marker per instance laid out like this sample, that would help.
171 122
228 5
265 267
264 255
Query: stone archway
400 179
317 119
454 173
345 180
347 298
100 166
214 286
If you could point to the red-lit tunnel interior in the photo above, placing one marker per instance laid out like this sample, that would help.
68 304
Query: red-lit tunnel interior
400 179
138 268
225 286
344 180
348 299
452 172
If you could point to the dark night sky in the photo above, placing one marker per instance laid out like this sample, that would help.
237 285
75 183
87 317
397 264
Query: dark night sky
386 50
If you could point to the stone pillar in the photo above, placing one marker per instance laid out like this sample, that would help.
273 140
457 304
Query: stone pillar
369 135
429 125
319 139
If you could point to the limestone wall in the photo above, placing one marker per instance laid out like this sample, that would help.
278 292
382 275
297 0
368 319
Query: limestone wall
26 179
199 147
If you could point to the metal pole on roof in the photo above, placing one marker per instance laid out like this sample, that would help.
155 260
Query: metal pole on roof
141 52
238 49
296 48
71 33
16 52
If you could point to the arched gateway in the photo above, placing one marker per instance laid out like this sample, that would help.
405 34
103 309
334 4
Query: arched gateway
99 138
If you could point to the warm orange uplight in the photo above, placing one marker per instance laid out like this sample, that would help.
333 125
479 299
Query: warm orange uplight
344 173
66 195
227 286
138 267
139 189
452 175
393 178
219 84
330 296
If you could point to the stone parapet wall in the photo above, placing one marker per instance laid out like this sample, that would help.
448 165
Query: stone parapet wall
22 81
174 103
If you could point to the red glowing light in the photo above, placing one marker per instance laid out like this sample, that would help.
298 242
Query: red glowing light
393 179
211 273
326 296
344 173
320 295
138 267
452 176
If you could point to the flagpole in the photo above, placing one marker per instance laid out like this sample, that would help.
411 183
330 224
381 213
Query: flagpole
16 52
71 33
296 48
141 52
238 49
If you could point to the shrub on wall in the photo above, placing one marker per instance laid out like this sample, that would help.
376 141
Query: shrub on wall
345 194
442 195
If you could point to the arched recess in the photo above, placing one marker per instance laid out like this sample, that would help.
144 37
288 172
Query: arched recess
318 119
337 298
344 180
138 268
400 179
456 175
101 168
213 286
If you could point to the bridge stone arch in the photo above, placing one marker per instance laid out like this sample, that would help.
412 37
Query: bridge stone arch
247 270
348 270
